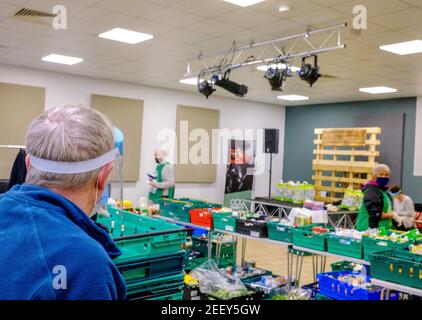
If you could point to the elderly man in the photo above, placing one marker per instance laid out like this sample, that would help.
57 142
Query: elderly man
162 185
51 249
377 207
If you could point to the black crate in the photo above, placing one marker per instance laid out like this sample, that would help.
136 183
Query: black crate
191 293
257 229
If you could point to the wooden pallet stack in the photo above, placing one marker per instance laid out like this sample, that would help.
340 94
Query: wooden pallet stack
344 158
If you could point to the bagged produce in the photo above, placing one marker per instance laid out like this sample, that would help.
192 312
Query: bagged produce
218 283
298 193
295 294
348 233
309 192
352 200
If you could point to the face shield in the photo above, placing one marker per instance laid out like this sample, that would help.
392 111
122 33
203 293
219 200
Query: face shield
114 156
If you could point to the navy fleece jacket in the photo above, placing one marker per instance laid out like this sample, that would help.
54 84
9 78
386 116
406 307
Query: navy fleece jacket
51 250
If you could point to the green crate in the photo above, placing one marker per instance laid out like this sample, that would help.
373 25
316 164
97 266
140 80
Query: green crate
342 266
176 295
224 221
153 267
223 262
201 245
345 246
398 266
169 240
304 237
321 297
172 296
374 245
156 285
178 209
280 232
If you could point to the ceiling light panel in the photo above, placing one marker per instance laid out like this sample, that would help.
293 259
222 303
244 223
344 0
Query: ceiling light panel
191 81
126 36
58 58
244 3
378 90
404 48
283 8
293 97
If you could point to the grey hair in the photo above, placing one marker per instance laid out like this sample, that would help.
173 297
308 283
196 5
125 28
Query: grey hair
69 133
381 167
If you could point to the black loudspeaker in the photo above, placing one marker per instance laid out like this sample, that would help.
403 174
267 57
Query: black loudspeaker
271 141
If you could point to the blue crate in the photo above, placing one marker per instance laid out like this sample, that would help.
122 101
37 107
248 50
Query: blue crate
313 287
333 288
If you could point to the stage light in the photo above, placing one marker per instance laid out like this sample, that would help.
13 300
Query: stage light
309 73
206 88
237 89
276 78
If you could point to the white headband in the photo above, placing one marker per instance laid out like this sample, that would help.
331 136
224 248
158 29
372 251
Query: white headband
74 167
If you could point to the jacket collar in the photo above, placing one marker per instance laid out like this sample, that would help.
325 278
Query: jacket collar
51 200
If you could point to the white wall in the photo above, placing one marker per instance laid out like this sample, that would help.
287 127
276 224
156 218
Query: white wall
159 113
418 139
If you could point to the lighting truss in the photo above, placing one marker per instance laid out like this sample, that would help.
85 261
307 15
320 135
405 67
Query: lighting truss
281 49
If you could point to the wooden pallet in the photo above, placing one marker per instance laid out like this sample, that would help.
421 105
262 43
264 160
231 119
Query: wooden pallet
344 158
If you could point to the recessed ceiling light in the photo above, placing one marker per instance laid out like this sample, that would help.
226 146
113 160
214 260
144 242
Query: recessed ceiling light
293 97
127 36
404 48
283 8
280 66
57 58
244 3
191 81
378 90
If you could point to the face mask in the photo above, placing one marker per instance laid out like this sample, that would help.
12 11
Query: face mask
97 205
157 161
383 182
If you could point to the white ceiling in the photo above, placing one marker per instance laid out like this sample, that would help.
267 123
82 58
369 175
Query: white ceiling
183 28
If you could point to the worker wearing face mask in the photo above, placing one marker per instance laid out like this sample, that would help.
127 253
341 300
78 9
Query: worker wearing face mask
54 250
162 184
377 208
404 210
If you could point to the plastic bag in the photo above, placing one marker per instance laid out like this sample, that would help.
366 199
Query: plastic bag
217 283
294 294
352 200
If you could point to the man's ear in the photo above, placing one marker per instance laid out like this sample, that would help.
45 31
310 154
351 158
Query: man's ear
103 176
27 162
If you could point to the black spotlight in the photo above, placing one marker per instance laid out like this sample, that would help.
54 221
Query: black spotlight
310 73
276 78
206 88
237 89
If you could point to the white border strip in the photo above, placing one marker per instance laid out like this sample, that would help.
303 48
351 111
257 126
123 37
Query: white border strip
417 167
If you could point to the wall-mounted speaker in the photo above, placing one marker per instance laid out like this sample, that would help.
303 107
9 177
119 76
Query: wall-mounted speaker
271 139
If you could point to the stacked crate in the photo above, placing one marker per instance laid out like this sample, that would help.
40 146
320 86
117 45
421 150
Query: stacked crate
179 209
152 262
223 252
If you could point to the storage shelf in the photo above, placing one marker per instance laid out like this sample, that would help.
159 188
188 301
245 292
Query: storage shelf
254 238
397 287
324 253
385 284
